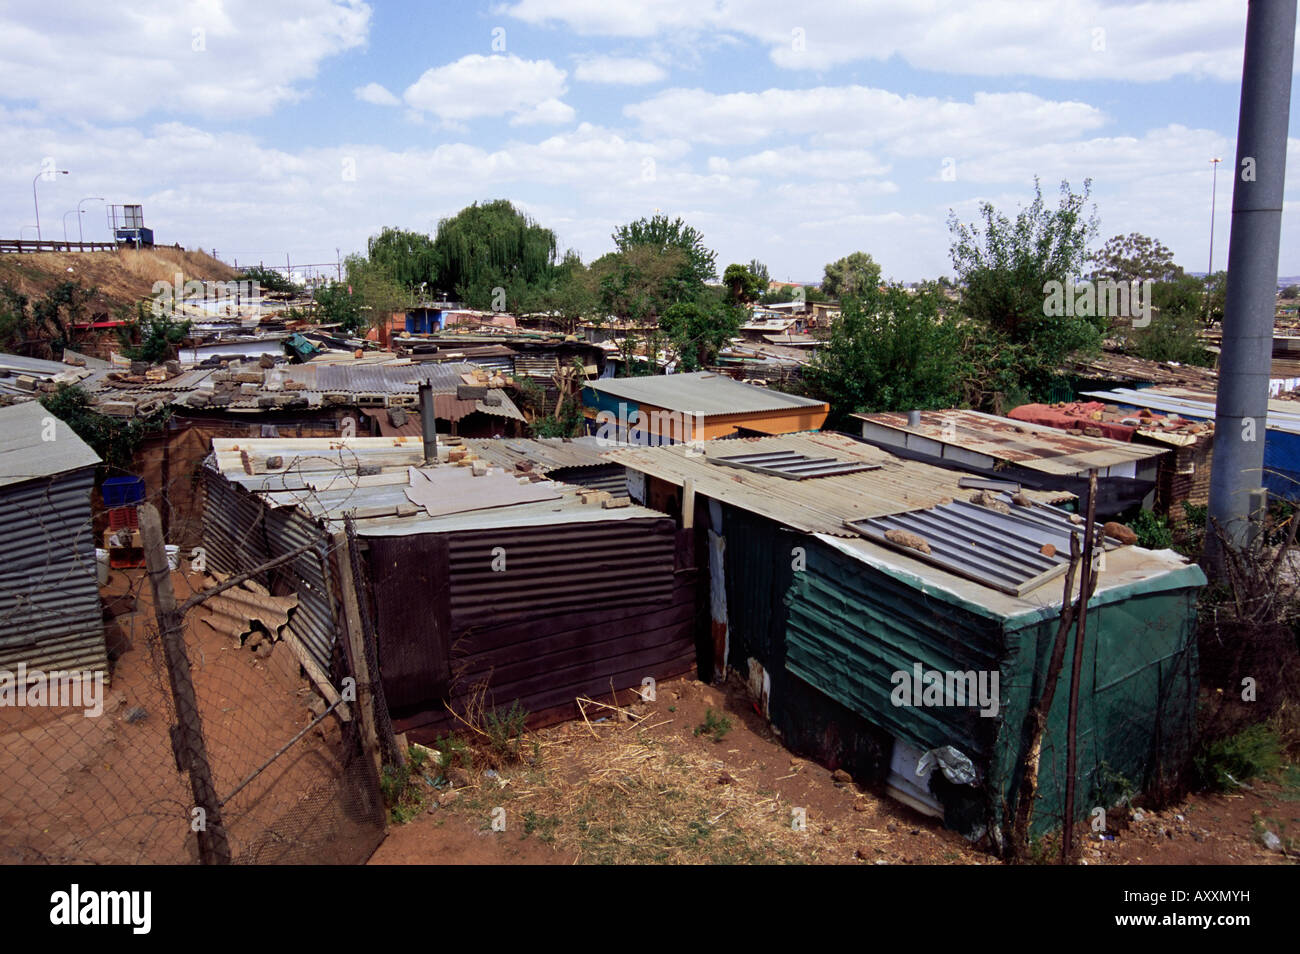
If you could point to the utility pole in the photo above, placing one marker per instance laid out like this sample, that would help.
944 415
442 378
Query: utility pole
1241 411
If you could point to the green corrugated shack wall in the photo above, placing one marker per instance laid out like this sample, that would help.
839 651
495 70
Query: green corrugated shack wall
832 635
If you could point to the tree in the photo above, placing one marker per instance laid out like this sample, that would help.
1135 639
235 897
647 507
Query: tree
1006 266
571 295
336 305
409 257
698 329
159 335
488 252
643 282
1135 257
660 234
269 280
759 270
375 293
850 275
1173 335
891 350
1290 293
743 285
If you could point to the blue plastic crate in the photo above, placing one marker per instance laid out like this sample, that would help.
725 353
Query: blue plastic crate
123 491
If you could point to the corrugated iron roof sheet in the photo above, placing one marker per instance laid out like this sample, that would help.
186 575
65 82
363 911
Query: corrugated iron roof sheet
700 392
319 478
820 505
1033 446
25 454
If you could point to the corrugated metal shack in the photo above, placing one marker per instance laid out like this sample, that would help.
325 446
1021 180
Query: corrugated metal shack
52 617
1030 454
820 610
526 584
722 406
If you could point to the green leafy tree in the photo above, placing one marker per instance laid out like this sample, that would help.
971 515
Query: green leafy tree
759 270
643 282
154 336
851 275
336 305
1135 257
409 258
375 292
698 329
661 234
1290 293
490 247
743 285
269 280
891 350
114 439
1173 334
571 295
1005 267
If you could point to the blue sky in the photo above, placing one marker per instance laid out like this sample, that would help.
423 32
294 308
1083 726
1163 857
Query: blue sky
790 133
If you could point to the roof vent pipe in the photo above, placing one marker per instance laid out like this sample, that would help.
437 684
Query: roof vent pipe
428 423
914 419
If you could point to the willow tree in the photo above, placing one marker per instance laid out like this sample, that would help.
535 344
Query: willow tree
407 257
493 256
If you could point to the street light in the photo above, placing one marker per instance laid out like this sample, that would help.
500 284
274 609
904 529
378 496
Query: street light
1214 191
65 225
90 198
36 203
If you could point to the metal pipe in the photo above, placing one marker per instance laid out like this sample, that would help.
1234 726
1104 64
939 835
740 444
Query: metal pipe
428 423
1241 412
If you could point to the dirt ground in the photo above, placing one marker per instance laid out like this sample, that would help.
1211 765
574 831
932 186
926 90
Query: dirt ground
658 792
106 790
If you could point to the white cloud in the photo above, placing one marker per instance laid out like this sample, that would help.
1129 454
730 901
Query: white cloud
1149 40
619 70
550 112
376 94
475 86
115 61
795 161
841 115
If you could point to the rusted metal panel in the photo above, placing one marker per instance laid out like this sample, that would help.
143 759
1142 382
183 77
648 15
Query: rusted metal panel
538 614
408 577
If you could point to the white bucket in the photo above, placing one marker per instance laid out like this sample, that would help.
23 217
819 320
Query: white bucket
173 557
101 566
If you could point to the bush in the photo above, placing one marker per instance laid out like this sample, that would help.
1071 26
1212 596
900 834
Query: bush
1152 530
1222 764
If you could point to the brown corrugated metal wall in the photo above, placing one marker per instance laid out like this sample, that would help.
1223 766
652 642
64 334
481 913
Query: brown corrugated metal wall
576 606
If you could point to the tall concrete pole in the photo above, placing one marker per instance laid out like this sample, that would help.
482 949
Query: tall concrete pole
1244 366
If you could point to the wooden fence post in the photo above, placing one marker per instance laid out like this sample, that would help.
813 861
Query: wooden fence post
187 734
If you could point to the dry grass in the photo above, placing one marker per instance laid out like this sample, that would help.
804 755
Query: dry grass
621 792
122 278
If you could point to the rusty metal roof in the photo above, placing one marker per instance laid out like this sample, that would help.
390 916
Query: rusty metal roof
819 505
1044 449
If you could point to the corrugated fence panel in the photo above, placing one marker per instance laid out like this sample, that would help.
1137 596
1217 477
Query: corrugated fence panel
50 616
240 533
314 622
